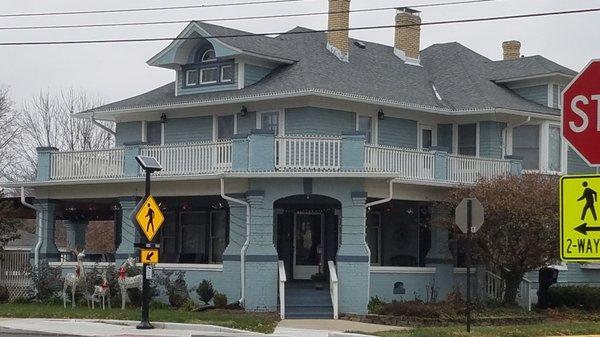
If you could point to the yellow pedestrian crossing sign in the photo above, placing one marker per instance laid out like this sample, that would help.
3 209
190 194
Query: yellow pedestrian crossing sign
579 223
149 217
149 255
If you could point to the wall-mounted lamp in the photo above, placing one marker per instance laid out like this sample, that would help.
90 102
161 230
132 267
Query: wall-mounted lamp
163 118
380 114
243 111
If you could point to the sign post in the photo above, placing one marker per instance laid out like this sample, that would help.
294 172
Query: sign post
149 218
469 216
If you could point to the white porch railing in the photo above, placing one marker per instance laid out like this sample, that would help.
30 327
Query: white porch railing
333 288
464 169
282 280
14 273
87 164
312 153
191 158
495 287
408 163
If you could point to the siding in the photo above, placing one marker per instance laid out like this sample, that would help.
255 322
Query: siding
253 74
318 121
538 93
576 165
490 139
185 130
128 132
444 136
397 132
574 275
245 124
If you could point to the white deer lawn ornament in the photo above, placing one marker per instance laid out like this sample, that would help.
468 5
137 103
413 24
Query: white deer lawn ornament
74 280
102 292
128 282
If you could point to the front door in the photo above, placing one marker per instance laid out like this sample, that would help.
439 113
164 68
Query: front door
308 244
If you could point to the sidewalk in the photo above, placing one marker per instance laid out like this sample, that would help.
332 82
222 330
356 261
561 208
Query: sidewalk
111 328
326 327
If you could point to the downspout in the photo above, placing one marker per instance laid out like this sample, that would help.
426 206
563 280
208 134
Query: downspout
38 245
102 126
367 205
246 243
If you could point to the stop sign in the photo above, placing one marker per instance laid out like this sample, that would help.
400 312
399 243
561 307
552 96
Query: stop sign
581 113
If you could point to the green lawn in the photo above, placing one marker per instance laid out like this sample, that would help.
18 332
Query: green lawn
548 329
264 323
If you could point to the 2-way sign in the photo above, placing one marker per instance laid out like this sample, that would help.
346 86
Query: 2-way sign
581 113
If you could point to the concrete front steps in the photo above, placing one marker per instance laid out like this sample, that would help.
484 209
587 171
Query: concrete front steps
303 301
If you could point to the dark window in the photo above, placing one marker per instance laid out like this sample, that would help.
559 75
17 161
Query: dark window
270 121
365 125
225 127
153 133
208 56
526 144
209 75
426 138
227 73
374 236
467 139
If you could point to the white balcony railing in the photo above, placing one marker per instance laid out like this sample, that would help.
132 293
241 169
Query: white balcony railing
192 158
407 163
87 164
464 169
311 153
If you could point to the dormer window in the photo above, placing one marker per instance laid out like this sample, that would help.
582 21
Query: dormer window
208 69
209 56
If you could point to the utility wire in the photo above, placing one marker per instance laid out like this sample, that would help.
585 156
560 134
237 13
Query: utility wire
149 9
240 18
495 18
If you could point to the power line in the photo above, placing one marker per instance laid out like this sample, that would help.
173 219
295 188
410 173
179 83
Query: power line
434 23
149 9
241 18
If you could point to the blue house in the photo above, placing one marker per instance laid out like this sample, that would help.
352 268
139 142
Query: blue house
310 154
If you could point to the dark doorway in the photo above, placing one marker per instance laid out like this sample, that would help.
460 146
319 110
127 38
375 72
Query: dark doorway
306 234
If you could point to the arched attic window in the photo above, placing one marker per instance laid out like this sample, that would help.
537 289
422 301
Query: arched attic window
209 70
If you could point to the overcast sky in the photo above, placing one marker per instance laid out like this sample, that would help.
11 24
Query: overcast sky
117 71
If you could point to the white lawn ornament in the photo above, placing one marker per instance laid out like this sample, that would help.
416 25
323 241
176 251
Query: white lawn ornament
127 282
102 293
75 280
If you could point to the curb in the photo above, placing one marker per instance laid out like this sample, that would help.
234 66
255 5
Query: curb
346 334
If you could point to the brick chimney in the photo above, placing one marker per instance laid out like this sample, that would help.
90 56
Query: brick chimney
407 42
511 49
337 41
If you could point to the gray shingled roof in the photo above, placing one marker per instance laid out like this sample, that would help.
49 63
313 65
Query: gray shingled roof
527 66
463 78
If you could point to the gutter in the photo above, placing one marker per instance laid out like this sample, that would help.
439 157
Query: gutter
246 243
102 126
38 245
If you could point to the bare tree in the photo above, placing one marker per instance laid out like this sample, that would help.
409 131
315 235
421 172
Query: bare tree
46 120
8 133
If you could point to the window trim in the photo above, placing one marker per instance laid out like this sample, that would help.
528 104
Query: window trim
202 60
221 73
281 121
201 79
374 125
187 77
432 128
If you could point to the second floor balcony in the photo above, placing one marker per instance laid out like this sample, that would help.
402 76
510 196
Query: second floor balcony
263 153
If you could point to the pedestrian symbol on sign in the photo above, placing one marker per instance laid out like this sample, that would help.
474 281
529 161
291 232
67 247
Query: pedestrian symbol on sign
590 196
149 217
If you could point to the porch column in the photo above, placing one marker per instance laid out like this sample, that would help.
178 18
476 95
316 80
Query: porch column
129 233
76 234
440 257
46 219
261 257
352 260
231 256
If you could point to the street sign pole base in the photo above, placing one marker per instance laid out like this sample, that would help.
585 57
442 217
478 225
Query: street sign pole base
144 326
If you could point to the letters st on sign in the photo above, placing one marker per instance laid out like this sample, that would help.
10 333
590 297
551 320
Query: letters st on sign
149 217
579 218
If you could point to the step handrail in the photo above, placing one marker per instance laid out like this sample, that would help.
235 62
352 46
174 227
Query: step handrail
333 288
282 280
